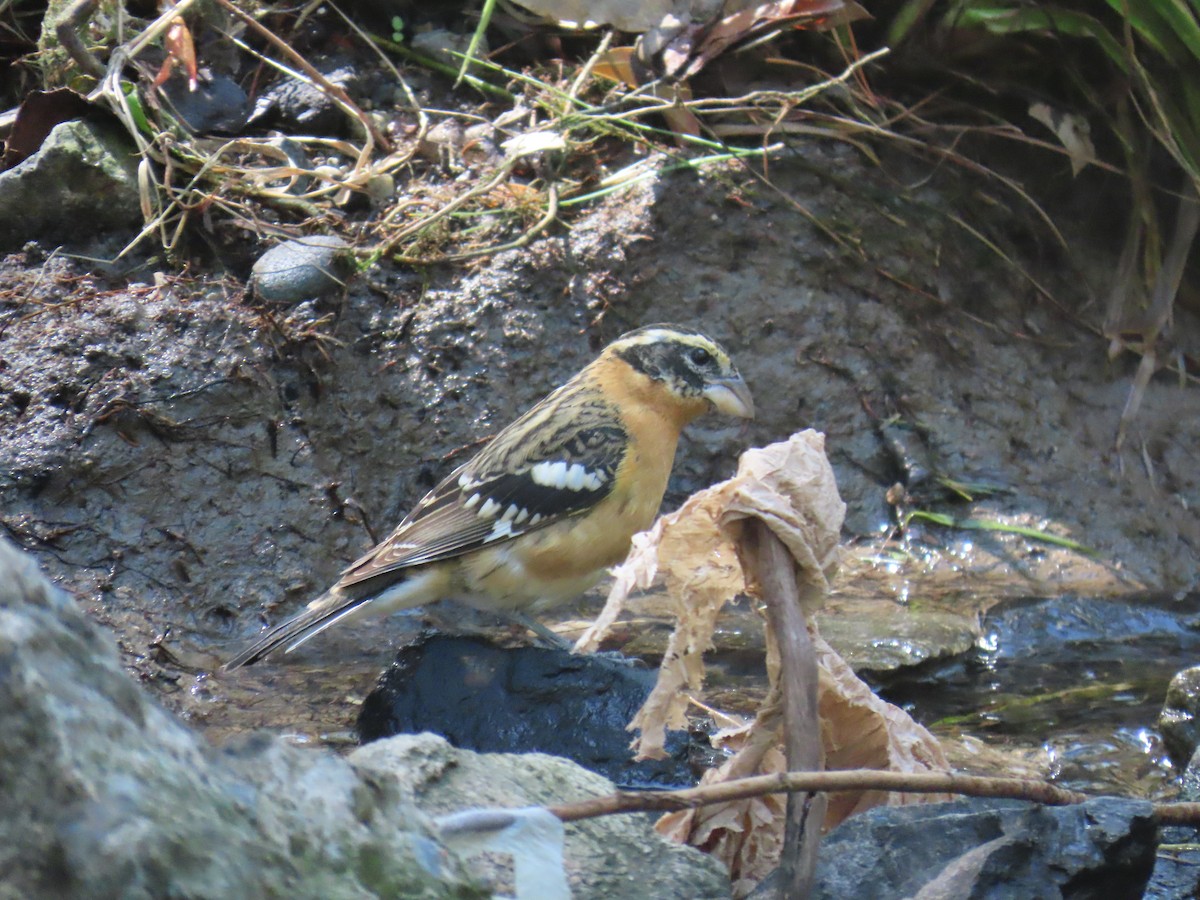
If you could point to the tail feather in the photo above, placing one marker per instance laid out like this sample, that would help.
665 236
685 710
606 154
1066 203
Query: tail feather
376 597
325 611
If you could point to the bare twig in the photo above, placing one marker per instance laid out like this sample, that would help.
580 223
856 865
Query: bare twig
774 570
67 32
808 782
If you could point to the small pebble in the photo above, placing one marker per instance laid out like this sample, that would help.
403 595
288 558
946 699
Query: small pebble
299 269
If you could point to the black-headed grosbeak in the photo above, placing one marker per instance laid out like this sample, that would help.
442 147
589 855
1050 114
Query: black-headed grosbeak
536 517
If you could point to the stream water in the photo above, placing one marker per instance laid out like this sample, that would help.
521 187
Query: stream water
1067 688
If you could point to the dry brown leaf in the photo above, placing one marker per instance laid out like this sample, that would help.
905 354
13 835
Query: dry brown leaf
860 730
746 835
789 486
758 21
181 50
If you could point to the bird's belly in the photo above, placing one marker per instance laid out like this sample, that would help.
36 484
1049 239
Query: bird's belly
552 566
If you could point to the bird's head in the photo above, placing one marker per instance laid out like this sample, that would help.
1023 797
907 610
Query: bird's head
693 370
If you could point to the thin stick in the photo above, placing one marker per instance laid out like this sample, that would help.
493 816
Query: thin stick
773 568
830 782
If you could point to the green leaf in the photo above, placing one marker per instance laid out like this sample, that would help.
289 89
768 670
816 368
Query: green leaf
1008 20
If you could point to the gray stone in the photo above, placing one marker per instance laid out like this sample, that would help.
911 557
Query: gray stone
82 182
883 637
993 849
104 794
300 269
608 857
1177 867
1177 723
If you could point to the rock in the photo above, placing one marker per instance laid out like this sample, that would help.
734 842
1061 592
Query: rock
608 857
482 697
1177 867
300 107
300 269
881 638
990 848
217 105
82 182
1094 628
103 794
1177 722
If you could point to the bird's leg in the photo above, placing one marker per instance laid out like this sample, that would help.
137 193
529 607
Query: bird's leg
550 639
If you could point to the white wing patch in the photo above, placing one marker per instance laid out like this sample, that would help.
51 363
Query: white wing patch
489 509
501 529
574 477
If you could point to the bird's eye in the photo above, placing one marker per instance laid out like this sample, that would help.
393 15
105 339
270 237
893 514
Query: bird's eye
700 356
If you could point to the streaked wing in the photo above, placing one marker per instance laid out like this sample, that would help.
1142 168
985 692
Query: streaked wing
515 485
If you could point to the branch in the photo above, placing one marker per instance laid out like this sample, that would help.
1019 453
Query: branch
774 570
831 782
851 780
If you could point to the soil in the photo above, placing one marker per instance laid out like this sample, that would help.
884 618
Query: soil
191 465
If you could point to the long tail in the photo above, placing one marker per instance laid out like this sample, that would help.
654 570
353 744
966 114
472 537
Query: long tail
373 597
324 612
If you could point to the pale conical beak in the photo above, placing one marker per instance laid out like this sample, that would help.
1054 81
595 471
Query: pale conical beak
731 396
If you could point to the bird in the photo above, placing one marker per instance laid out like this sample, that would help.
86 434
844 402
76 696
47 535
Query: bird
543 509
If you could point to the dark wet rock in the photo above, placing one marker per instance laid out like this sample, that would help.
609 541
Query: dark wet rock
82 182
299 106
608 857
1177 868
1177 723
104 794
300 269
1030 627
217 105
990 848
528 699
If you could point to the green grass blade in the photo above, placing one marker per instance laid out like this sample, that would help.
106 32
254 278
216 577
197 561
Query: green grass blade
485 18
1002 527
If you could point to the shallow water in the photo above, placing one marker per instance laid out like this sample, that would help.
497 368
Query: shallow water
1067 689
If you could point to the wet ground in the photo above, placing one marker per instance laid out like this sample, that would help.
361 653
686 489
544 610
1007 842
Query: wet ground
190 465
